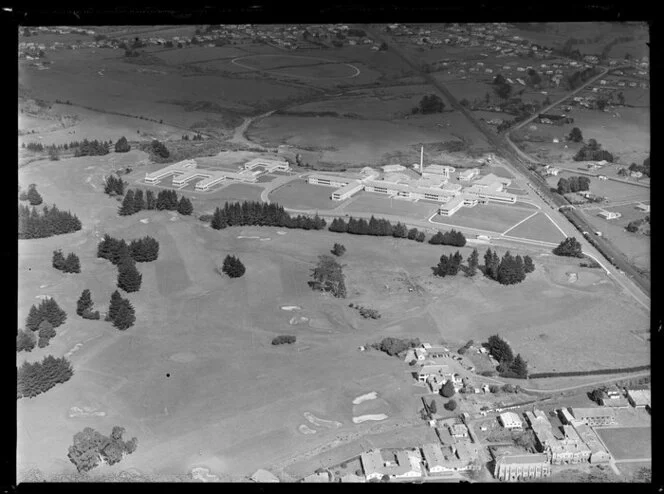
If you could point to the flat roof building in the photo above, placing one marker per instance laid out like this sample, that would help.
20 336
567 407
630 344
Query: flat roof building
469 174
433 458
609 215
594 416
393 168
438 170
375 466
643 207
187 170
521 467
510 420
347 190
430 370
598 453
639 397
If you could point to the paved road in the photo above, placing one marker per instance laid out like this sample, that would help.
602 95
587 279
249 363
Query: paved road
519 161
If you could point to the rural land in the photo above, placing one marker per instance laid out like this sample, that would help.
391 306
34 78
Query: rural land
392 253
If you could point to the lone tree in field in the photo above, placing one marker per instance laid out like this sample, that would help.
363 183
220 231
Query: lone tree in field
451 405
185 207
575 135
433 408
159 149
114 186
338 250
328 277
233 267
33 196
448 389
283 340
122 146
121 312
430 103
569 247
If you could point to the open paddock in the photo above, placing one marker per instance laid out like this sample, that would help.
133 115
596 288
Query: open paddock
179 56
539 227
298 194
627 443
491 217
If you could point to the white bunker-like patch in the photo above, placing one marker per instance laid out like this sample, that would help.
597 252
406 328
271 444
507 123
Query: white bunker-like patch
245 236
183 357
203 474
330 424
73 350
305 429
145 221
75 412
364 418
572 277
295 320
291 307
365 397
281 233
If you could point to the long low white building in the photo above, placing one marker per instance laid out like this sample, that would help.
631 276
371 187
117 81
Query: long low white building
187 170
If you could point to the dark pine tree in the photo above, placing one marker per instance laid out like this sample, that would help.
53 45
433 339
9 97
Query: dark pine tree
129 279
473 263
185 207
33 196
46 332
25 341
150 202
127 207
528 265
122 146
219 220
125 315
519 366
72 264
58 260
116 301
84 302
139 202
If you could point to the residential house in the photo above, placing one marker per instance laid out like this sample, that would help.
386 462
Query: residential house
618 402
398 465
609 215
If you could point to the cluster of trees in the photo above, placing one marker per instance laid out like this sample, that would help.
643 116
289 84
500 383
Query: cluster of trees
84 306
453 237
501 87
633 226
34 146
158 149
70 264
25 341
50 222
644 168
573 81
509 365
533 79
121 312
366 312
338 250
569 247
509 270
92 148
375 226
395 346
451 405
448 389
37 378
31 196
122 146
91 447
145 249
328 276
134 201
430 103
573 184
283 340
593 151
448 265
575 135
466 347
47 310
114 186
233 267
195 137
259 213
46 332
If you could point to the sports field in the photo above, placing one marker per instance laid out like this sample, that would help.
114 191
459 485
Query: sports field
298 194
628 443
368 202
491 217
539 227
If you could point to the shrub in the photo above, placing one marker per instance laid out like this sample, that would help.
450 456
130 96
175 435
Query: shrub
283 340
451 405
233 267
448 389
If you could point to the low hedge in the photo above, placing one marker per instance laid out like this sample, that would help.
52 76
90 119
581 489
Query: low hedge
540 375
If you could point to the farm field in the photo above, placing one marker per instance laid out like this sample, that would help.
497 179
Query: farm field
491 217
612 190
200 54
630 469
627 443
367 202
539 227
298 194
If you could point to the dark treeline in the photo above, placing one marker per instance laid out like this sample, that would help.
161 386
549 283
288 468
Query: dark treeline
81 148
509 270
261 214
92 148
540 375
134 200
453 237
375 226
52 221
573 184
37 378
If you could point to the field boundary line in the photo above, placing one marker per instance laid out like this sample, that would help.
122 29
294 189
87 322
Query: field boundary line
514 226
556 225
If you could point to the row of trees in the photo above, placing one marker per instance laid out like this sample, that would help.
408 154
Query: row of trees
593 151
134 202
114 185
84 306
328 276
69 264
448 265
375 226
233 267
453 237
91 447
51 221
92 148
39 377
145 249
573 184
249 213
31 196
509 365
283 340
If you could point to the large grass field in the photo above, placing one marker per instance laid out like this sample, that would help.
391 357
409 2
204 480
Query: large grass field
491 217
628 443
298 194
196 379
368 202
539 227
